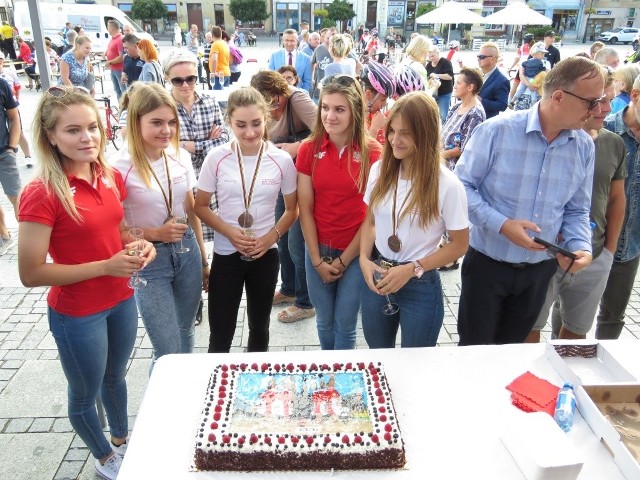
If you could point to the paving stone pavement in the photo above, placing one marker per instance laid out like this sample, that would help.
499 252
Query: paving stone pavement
36 438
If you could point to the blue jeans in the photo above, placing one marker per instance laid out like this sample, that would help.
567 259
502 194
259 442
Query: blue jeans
444 102
169 303
337 303
116 78
292 268
94 351
419 318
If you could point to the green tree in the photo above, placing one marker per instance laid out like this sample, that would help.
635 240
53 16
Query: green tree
325 21
425 8
148 10
248 10
340 11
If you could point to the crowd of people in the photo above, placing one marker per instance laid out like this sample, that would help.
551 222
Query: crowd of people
356 179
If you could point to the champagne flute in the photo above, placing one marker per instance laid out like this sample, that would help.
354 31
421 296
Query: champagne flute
390 308
135 250
179 213
249 230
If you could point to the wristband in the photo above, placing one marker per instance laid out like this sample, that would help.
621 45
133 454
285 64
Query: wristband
205 264
277 232
316 266
340 260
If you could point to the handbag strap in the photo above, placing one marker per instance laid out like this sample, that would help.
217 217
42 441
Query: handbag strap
291 126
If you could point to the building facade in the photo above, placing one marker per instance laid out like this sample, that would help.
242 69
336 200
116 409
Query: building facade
570 17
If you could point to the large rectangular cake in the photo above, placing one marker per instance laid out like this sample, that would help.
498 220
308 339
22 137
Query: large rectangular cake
298 417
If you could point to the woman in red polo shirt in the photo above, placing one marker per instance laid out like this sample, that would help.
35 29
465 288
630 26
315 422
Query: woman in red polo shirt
73 211
333 166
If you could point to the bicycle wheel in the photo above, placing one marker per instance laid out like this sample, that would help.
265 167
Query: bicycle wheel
116 137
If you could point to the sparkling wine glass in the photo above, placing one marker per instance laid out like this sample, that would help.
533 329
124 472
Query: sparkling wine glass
389 308
179 213
135 249
249 230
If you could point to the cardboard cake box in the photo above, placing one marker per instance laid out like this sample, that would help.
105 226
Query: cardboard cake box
607 396
613 413
585 362
541 450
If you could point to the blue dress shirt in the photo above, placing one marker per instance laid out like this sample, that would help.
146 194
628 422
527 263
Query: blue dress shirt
510 171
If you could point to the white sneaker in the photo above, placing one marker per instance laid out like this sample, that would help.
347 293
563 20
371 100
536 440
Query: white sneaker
6 243
110 469
121 449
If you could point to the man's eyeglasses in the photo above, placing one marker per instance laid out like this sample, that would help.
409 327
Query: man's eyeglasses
482 57
58 91
342 80
593 103
179 81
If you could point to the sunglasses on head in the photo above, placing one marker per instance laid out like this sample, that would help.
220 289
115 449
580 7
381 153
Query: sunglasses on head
482 57
342 80
58 91
179 81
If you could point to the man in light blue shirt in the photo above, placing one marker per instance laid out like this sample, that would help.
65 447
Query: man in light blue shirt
527 174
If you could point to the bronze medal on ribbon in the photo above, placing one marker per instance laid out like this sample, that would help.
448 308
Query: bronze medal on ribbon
245 220
394 243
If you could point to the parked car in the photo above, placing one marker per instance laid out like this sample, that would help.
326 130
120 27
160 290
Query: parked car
620 34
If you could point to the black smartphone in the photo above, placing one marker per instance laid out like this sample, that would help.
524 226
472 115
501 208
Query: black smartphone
555 249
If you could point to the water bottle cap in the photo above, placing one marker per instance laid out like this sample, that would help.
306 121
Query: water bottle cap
568 385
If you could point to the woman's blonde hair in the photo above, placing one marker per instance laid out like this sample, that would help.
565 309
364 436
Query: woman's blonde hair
421 118
627 74
145 98
340 46
418 47
80 40
149 50
358 136
248 97
50 160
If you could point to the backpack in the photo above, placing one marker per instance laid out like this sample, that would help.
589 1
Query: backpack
236 56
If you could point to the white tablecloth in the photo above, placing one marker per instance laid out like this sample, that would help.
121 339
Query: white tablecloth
451 403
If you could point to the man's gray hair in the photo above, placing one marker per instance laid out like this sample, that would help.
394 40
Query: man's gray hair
602 56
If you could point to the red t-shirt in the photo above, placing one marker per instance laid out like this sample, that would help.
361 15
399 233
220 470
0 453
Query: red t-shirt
25 53
338 208
72 243
114 49
380 137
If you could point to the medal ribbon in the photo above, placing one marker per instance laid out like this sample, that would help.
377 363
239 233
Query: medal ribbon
247 200
168 201
395 219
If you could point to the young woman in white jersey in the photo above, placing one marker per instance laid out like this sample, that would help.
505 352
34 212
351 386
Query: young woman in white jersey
413 198
246 175
159 179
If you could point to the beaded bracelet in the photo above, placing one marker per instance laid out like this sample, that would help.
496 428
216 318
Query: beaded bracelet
277 232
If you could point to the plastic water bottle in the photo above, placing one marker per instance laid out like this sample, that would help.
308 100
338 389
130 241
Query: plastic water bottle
565 407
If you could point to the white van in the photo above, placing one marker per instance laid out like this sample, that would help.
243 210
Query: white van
92 17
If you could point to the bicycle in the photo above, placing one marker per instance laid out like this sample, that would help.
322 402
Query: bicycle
113 129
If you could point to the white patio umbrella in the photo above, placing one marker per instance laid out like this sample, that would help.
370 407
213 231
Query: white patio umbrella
516 13
451 12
